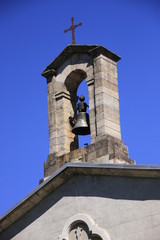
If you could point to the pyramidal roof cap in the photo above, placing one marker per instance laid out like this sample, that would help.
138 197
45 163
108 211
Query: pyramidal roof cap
94 50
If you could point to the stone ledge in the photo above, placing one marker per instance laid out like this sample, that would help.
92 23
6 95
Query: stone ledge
105 150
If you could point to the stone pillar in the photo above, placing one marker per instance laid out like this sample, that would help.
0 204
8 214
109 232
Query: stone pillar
66 140
60 108
51 81
92 116
106 97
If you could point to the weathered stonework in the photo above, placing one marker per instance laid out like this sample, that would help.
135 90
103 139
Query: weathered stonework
105 150
106 97
98 66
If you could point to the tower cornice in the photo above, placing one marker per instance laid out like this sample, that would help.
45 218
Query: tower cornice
94 50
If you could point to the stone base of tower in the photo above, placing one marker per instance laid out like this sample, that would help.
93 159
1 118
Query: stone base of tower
105 150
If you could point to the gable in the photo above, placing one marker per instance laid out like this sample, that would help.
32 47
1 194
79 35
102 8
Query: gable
108 200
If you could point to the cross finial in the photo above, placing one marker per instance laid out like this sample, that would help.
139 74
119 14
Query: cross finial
72 28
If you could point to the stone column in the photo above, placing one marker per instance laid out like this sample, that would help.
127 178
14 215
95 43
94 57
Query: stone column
60 108
106 97
92 117
66 140
51 81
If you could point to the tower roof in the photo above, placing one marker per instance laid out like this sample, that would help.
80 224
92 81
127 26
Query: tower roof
94 50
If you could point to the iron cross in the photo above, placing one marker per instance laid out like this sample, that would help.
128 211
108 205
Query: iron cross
72 28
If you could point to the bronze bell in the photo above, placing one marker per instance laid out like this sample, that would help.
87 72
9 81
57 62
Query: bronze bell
81 126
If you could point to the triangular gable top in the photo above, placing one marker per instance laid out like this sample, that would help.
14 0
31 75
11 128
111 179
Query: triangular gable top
94 50
67 171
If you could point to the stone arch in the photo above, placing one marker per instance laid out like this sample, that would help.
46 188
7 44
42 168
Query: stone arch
87 223
74 79
72 83
76 63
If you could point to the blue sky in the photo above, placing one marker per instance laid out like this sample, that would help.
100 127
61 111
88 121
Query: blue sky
32 35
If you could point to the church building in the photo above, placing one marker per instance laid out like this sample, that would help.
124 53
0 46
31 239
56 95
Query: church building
96 192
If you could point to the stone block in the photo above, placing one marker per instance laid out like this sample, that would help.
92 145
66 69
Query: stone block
112 125
106 130
107 91
103 151
91 156
104 99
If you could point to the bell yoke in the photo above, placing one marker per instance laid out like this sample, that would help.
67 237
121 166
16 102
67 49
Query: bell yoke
80 122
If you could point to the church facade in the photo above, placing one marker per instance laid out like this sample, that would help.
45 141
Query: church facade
95 192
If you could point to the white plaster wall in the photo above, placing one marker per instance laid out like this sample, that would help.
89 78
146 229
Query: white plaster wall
127 208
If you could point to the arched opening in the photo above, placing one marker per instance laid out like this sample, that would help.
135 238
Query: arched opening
76 85
82 227
79 230
83 90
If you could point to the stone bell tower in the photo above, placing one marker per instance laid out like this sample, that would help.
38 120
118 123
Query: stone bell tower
98 66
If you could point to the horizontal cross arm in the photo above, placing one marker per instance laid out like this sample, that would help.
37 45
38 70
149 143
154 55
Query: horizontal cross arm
66 30
77 25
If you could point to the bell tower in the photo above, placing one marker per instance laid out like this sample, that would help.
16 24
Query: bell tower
98 66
